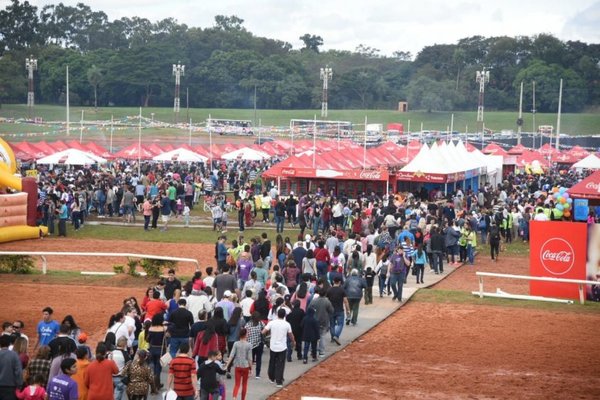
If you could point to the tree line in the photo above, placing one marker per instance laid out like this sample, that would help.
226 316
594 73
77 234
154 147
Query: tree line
128 62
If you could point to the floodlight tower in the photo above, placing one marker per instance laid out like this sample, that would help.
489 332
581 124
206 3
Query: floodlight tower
481 77
30 65
326 75
178 71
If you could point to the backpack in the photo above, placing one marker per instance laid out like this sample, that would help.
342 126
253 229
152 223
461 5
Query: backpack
482 224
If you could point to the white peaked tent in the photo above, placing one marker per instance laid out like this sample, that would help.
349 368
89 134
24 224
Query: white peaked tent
72 157
245 153
182 155
590 162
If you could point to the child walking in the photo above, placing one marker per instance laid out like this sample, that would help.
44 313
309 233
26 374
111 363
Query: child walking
241 359
207 373
35 391
186 215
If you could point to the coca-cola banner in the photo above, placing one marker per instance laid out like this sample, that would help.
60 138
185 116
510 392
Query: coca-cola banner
557 250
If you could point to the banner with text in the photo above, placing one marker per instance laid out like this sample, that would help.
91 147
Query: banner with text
557 250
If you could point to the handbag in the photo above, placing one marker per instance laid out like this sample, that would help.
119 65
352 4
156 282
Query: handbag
166 358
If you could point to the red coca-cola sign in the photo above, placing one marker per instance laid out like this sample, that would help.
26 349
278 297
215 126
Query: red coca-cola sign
288 172
372 175
593 185
557 256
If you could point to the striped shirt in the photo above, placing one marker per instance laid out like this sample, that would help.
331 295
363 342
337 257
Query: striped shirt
182 368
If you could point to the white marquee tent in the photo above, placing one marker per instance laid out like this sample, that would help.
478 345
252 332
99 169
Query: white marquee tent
72 157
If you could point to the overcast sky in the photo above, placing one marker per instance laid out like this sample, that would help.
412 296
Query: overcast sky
387 25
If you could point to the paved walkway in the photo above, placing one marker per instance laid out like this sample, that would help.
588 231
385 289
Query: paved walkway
369 316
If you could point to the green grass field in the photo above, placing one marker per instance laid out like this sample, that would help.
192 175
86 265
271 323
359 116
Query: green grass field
574 124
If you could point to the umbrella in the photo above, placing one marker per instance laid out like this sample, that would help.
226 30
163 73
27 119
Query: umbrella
71 157
181 155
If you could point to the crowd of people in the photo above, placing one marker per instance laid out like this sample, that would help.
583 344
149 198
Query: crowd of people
295 295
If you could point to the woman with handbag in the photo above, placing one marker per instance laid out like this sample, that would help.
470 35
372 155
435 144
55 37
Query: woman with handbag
138 377
156 338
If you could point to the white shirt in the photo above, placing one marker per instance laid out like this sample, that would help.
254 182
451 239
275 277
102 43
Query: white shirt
279 333
208 281
120 329
246 305
130 323
197 303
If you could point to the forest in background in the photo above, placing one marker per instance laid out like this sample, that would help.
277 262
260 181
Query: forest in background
128 62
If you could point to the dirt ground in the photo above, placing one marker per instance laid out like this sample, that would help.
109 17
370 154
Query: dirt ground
465 351
423 351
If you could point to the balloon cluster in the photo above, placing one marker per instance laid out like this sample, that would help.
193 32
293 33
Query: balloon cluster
562 202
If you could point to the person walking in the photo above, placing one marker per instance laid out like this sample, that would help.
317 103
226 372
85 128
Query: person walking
254 329
140 376
398 266
280 330
337 296
62 386
240 358
11 372
182 374
353 287
99 379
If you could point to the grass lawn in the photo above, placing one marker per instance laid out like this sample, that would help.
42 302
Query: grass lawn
574 124
460 297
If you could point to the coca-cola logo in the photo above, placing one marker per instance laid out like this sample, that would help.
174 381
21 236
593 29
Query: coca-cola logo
289 171
374 174
557 256
593 185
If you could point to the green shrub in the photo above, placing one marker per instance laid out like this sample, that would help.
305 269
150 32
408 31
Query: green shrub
119 269
131 267
153 268
16 264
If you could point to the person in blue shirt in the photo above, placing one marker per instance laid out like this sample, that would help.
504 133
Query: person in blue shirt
63 215
47 328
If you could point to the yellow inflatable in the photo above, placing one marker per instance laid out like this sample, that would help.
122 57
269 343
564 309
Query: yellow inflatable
17 210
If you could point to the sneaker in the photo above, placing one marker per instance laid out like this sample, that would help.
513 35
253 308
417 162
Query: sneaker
257 377
314 360
279 385
321 355
305 361
337 341
272 382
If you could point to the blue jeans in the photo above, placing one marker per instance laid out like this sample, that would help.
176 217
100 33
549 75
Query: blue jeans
470 254
279 220
174 344
397 282
336 324
119 388
381 284
316 225
438 261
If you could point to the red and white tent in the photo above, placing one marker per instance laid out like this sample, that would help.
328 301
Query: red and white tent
589 188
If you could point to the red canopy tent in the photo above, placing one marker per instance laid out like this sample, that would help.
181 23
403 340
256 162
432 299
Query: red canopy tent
579 152
98 150
529 156
564 158
59 145
73 144
494 149
155 149
589 188
28 151
547 150
516 150
46 147
131 153
469 146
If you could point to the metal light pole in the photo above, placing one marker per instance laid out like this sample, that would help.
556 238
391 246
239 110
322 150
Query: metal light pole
534 130
178 71
558 117
30 65
326 75
481 77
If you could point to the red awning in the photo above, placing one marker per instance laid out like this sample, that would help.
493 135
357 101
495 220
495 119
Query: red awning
131 152
589 188
494 149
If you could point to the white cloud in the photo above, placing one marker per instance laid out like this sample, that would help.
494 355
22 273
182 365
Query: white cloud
388 25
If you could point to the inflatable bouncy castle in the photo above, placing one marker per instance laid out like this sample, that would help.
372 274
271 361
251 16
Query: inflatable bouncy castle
17 209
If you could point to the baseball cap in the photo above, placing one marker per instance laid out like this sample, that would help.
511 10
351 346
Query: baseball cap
227 293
